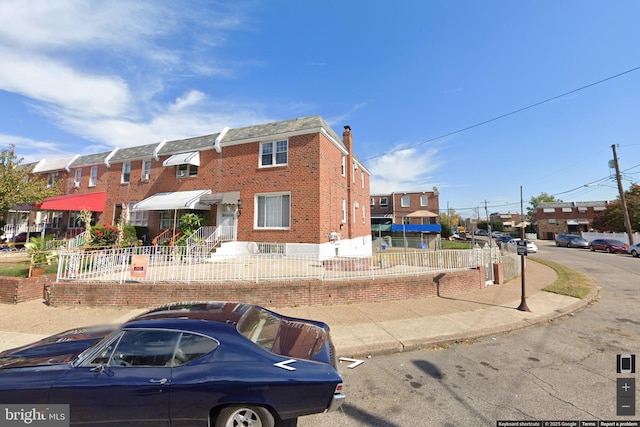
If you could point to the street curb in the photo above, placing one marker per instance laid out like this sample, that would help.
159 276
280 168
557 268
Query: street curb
396 346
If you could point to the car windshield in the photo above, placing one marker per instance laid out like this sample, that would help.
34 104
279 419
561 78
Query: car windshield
615 242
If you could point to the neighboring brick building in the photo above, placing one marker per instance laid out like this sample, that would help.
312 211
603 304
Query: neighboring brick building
406 212
293 181
566 217
510 221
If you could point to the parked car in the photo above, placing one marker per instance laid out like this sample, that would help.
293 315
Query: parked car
496 234
635 250
213 363
504 239
531 247
481 232
609 245
571 241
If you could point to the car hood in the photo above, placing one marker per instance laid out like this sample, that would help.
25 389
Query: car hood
54 350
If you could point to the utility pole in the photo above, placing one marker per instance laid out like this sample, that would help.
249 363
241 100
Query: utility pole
625 212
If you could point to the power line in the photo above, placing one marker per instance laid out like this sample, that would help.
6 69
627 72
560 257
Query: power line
510 113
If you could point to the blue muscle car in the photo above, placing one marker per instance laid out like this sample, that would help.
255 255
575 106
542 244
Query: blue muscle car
184 364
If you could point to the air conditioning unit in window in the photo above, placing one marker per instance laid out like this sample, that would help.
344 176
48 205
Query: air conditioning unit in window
146 177
76 184
182 173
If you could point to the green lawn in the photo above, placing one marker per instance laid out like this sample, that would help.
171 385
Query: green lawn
570 282
21 269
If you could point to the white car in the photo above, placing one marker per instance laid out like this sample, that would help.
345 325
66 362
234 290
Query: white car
531 247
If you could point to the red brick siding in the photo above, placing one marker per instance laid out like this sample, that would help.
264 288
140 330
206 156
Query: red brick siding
14 290
275 294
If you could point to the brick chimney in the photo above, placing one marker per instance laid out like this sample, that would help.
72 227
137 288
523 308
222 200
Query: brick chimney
346 138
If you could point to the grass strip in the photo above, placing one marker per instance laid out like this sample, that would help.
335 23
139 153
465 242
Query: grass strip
570 282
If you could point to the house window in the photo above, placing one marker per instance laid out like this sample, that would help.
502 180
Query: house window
273 211
76 180
344 166
372 201
566 210
139 218
93 177
424 200
355 212
344 210
384 201
548 210
185 170
364 216
274 153
404 201
146 170
126 173
362 178
406 220
52 178
166 219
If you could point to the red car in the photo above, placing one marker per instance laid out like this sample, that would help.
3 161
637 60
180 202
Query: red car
609 245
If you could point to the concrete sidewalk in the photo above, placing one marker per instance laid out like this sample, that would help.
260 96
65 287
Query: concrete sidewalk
358 330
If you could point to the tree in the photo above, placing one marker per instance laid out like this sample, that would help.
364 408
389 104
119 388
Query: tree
448 221
535 201
17 185
612 219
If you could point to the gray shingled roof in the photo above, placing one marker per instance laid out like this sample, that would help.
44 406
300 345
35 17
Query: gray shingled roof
299 126
570 204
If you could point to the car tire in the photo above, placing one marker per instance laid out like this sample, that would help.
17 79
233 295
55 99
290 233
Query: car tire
608 250
592 249
244 416
635 254
569 245
558 244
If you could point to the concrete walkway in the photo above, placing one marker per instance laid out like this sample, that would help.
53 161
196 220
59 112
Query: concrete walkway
358 330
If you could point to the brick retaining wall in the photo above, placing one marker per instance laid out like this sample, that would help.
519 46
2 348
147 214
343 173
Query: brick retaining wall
273 294
14 290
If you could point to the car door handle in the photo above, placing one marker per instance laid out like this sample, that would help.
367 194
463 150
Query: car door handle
161 381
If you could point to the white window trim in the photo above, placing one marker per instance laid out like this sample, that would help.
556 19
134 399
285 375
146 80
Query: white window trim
344 166
93 179
186 170
403 204
257 207
384 201
145 175
125 172
424 197
274 152
77 177
344 210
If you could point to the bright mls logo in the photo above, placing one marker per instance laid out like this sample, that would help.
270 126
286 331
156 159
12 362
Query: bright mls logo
34 415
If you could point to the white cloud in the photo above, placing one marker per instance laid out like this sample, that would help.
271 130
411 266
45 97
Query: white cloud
406 169
46 80
103 70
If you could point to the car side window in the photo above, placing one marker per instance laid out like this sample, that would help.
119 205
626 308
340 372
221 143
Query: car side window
102 358
145 348
192 347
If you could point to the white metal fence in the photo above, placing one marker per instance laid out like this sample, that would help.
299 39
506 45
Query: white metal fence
623 237
176 264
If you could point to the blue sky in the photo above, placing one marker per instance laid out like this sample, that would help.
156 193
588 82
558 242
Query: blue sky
86 76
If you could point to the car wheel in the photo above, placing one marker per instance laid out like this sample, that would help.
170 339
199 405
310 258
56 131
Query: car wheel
608 250
635 253
558 244
254 416
592 249
569 245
